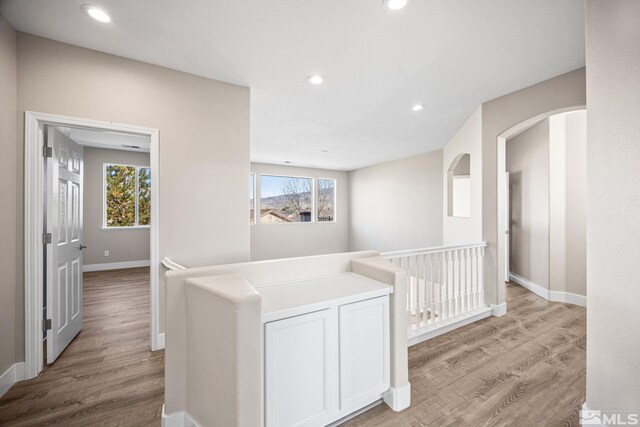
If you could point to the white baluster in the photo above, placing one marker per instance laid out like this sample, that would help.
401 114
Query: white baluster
439 293
476 281
481 277
467 278
459 293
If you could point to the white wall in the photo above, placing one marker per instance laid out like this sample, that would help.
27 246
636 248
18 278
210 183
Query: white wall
204 142
527 160
468 139
613 206
269 241
568 206
557 201
576 229
397 205
123 245
10 296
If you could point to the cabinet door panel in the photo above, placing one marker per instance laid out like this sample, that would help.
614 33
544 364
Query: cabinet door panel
364 351
301 386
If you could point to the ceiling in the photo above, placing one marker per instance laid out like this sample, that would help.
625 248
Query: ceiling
450 55
110 140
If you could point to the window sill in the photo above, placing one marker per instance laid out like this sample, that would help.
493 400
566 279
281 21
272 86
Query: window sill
296 223
136 227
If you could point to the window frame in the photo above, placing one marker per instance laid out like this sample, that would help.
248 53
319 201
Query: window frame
253 179
313 199
335 200
137 195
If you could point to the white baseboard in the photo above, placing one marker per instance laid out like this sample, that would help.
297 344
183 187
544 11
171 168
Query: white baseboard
589 416
355 414
499 310
177 419
160 341
398 398
556 296
116 265
11 376
568 298
535 288
447 325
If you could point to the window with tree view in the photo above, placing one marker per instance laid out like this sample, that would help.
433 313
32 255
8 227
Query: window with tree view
127 196
325 205
285 199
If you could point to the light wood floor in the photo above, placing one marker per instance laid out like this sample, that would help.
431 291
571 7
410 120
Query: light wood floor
107 376
524 369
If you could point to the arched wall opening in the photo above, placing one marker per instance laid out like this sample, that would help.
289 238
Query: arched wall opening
459 186
501 118
502 242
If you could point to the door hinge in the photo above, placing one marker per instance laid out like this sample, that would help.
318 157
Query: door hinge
46 238
47 151
46 324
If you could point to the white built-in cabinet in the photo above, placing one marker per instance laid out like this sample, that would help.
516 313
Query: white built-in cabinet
326 348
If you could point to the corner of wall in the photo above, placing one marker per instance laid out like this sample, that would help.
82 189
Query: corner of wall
10 312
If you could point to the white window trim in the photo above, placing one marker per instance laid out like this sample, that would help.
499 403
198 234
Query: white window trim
335 200
313 200
105 227
253 178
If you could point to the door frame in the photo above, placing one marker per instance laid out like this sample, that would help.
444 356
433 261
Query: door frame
33 227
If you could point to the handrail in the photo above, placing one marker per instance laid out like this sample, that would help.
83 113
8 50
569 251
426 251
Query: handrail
172 265
432 250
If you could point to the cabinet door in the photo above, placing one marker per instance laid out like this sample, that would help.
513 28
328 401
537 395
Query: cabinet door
364 352
301 369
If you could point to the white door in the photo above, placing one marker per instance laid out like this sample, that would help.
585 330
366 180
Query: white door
301 370
64 253
507 226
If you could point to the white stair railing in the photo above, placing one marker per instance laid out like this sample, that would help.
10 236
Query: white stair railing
444 284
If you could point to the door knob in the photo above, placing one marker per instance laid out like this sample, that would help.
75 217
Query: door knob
82 246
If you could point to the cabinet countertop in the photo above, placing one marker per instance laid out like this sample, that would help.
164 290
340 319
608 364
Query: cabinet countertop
282 300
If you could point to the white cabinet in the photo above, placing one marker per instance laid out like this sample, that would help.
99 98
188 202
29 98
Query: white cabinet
301 370
327 362
364 351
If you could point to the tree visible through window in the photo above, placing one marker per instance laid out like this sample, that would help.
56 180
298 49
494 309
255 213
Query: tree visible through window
326 200
127 196
285 199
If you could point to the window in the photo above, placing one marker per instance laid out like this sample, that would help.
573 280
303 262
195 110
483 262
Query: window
285 199
459 186
325 205
127 197
252 198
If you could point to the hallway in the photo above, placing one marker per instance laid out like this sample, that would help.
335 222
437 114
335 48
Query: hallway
107 376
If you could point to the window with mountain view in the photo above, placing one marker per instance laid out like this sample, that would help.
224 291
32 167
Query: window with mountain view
127 196
326 202
285 199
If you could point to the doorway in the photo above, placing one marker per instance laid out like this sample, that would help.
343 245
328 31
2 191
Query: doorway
545 208
37 225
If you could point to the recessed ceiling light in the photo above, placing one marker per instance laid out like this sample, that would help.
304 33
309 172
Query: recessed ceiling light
394 4
96 13
417 107
315 79
287 161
